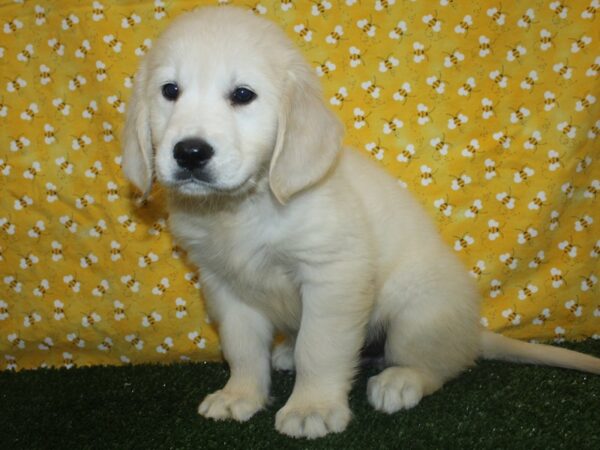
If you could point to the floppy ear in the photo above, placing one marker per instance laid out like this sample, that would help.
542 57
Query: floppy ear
137 140
308 137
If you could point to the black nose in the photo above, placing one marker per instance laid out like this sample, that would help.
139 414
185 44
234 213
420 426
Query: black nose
192 153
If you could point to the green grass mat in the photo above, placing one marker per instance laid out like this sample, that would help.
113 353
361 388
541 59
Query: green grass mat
495 405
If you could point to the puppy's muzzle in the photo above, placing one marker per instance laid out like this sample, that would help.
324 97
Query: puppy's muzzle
192 155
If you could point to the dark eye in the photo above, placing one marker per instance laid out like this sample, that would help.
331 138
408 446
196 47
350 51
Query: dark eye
242 96
170 91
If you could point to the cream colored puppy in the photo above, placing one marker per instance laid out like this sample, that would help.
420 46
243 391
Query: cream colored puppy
295 234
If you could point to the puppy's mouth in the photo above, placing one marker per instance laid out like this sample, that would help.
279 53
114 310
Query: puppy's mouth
189 184
199 175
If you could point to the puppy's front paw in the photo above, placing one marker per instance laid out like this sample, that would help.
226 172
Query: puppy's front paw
312 420
223 404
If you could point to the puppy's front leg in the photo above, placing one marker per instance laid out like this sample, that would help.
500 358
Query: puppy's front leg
245 340
334 315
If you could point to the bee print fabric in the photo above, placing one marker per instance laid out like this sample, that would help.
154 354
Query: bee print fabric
488 111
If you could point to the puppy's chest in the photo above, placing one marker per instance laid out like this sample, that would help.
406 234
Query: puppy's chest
250 259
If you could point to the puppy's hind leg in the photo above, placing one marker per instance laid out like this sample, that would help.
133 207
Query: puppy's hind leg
282 357
429 340
409 377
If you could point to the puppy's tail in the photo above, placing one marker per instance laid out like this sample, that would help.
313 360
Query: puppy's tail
496 346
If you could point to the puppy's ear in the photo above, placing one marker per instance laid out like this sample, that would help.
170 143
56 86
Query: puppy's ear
137 140
308 137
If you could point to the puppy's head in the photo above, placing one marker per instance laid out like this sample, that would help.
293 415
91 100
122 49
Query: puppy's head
222 101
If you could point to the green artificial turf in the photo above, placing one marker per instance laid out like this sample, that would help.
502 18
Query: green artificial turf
495 405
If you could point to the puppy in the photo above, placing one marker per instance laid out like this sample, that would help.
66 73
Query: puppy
292 231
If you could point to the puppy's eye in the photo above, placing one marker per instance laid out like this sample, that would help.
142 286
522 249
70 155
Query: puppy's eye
242 96
170 91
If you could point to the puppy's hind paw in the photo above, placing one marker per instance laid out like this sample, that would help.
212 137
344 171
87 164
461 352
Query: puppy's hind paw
223 405
282 357
394 389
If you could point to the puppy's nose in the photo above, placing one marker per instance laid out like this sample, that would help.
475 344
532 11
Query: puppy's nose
192 153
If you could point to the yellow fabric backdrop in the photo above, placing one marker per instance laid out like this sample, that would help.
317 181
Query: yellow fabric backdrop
488 111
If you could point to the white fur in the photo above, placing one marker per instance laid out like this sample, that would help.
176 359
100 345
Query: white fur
294 234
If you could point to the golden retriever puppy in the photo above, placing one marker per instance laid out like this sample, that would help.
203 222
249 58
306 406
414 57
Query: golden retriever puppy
292 232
